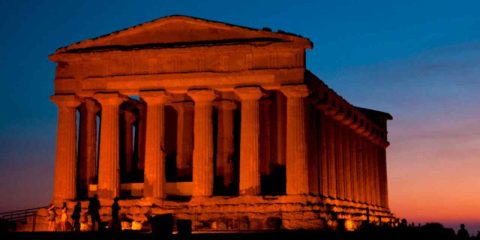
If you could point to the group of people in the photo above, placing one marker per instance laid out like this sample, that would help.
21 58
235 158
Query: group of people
76 225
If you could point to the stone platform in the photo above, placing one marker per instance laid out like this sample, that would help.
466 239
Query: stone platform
244 213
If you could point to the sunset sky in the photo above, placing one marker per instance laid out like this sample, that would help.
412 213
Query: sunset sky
418 61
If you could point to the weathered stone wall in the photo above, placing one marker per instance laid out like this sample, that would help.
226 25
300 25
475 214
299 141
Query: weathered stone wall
243 213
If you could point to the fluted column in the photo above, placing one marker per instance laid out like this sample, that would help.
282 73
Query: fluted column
366 169
330 141
202 143
154 175
184 137
296 148
377 177
249 140
140 135
265 151
128 121
347 162
66 157
361 170
313 135
384 177
225 147
324 183
280 128
339 159
372 172
109 164
87 152
354 166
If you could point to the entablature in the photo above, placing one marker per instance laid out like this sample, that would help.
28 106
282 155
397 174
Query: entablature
181 60
335 106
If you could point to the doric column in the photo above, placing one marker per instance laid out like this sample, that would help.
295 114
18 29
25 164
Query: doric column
66 158
366 167
184 137
384 177
330 141
265 151
129 119
353 165
296 148
372 173
377 177
109 164
280 128
361 169
324 161
140 135
225 147
313 135
249 140
347 162
154 175
339 159
202 143
87 155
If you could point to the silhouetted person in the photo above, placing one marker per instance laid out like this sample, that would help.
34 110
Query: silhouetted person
115 212
51 218
462 233
368 215
93 210
64 217
76 217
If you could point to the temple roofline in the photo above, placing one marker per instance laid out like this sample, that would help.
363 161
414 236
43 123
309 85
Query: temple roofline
385 115
265 32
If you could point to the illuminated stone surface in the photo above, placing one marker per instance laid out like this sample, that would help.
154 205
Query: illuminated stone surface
87 146
225 164
216 123
154 178
249 140
202 143
108 163
65 164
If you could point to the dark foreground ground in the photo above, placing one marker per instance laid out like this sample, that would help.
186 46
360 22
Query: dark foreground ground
433 232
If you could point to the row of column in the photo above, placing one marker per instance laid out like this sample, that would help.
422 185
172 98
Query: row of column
348 166
154 173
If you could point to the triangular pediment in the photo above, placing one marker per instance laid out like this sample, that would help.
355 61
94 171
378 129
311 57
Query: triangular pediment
172 30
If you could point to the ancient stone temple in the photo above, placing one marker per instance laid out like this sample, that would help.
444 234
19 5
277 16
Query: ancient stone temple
216 123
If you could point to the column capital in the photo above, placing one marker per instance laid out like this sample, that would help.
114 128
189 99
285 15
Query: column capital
154 97
225 105
295 91
249 93
67 100
110 98
91 105
185 105
202 95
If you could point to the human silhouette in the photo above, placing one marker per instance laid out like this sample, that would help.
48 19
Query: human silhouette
115 212
93 211
368 215
63 218
51 217
462 233
76 217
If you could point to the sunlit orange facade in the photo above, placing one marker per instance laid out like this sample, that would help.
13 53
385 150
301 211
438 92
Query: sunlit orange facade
216 123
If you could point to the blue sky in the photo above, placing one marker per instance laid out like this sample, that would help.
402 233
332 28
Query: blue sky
419 60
